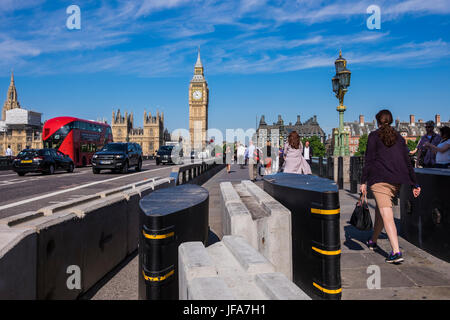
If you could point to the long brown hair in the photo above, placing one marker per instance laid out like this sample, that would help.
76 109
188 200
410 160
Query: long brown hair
387 134
294 140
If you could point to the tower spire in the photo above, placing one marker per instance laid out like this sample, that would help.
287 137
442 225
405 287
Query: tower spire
198 64
11 101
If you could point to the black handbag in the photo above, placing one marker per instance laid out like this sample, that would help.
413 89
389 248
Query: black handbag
361 218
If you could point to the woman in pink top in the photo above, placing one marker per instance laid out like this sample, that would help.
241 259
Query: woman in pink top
294 161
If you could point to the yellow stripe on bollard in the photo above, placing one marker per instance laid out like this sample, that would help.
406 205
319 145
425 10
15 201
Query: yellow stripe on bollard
323 211
154 279
328 253
158 236
327 290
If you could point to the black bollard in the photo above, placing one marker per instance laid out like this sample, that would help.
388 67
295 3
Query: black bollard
316 242
168 217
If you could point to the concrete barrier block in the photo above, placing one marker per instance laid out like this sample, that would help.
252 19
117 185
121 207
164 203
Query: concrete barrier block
231 270
251 260
105 238
267 227
11 221
209 289
236 219
276 286
228 193
18 247
194 262
114 191
68 204
133 220
61 241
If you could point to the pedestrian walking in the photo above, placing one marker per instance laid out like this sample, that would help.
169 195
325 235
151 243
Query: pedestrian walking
425 157
308 152
240 155
442 150
386 167
294 161
252 161
229 156
9 152
246 156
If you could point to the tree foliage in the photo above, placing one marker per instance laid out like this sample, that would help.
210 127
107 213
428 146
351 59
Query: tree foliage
362 145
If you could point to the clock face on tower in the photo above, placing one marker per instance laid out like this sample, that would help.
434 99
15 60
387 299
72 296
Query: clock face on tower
197 95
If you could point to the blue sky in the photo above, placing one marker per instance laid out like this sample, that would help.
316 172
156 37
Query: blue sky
261 57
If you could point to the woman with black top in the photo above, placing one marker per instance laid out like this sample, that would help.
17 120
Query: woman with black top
386 167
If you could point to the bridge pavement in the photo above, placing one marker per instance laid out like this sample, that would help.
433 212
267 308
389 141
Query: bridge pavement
420 277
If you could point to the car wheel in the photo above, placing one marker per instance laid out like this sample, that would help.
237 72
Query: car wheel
139 166
51 169
70 170
21 173
95 171
125 167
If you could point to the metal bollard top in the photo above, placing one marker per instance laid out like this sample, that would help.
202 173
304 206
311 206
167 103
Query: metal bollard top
168 200
302 181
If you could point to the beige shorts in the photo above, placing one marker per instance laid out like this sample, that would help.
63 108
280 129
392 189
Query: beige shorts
383 193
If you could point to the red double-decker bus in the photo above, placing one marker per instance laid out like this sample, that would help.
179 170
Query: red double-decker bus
77 138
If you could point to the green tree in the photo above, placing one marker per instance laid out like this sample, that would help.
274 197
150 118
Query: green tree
318 147
362 145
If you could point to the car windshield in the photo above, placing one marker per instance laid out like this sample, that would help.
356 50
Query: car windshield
166 148
114 147
27 153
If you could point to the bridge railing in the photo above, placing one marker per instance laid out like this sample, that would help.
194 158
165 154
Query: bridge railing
195 172
323 167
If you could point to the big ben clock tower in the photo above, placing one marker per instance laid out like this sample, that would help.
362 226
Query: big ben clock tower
198 107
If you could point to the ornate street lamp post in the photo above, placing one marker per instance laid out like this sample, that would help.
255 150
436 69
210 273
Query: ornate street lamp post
340 83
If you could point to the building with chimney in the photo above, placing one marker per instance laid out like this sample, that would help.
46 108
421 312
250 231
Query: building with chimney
20 128
150 137
281 130
409 130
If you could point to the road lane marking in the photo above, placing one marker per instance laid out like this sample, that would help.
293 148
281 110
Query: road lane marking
48 195
35 178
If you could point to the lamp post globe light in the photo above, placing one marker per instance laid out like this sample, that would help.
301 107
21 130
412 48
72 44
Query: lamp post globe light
340 82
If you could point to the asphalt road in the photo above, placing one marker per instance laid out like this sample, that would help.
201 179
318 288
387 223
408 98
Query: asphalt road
34 191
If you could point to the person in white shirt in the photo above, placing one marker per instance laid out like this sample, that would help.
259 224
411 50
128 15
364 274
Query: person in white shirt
307 152
252 161
9 152
442 150
240 155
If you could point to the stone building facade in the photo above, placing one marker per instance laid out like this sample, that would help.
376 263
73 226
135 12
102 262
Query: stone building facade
19 128
150 137
307 129
409 130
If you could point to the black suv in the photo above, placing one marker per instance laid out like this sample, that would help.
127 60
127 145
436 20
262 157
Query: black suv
118 157
46 161
169 154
